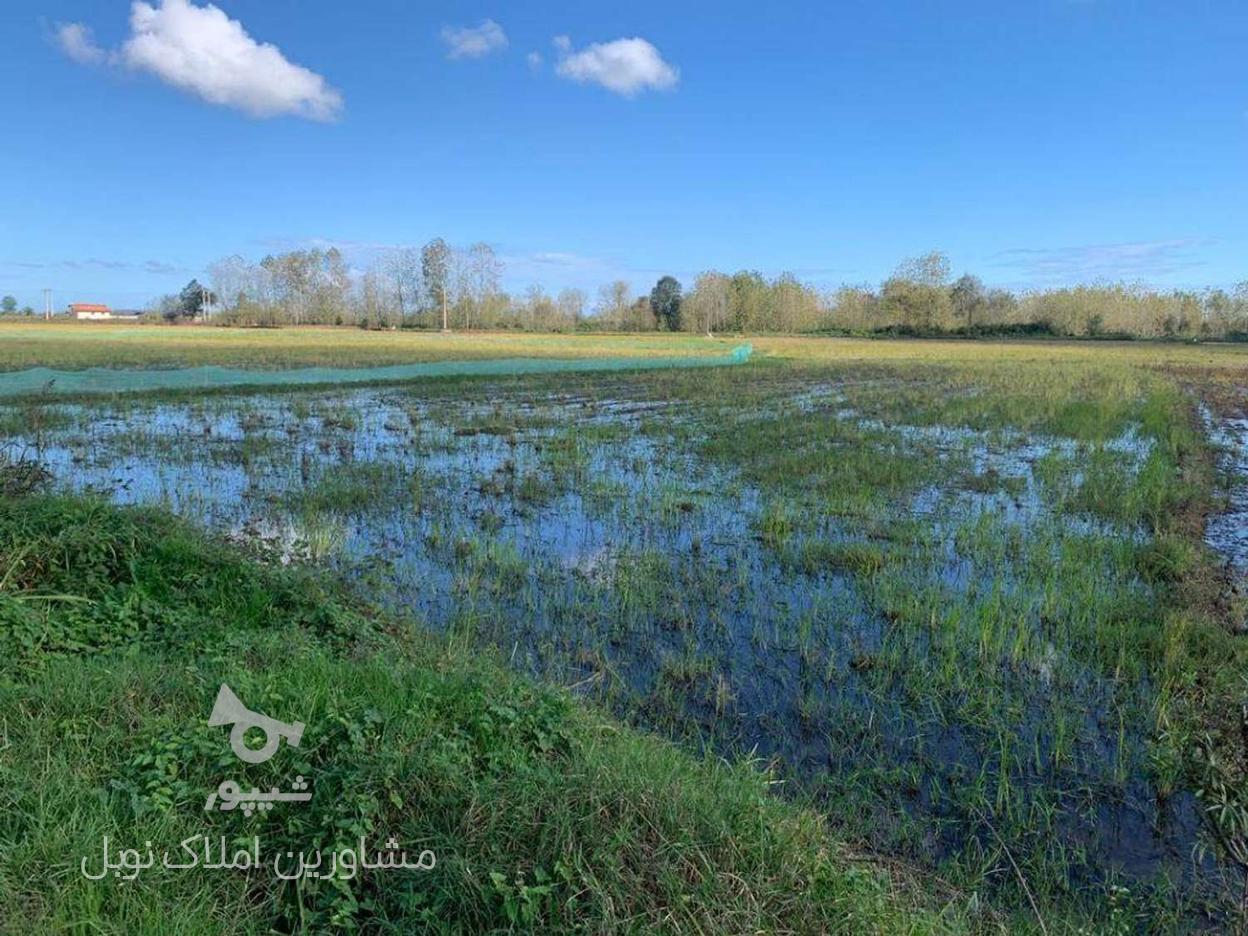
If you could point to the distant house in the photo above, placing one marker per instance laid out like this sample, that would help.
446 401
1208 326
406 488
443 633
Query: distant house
89 310
97 311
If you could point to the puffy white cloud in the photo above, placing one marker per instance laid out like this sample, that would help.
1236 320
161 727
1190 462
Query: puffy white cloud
78 43
534 59
625 66
474 41
201 50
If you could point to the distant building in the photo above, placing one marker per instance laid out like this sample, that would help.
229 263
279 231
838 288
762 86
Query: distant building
89 310
97 311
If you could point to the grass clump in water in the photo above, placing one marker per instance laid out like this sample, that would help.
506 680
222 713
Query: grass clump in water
350 488
821 555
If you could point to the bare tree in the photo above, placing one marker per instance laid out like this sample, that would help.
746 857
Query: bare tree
614 300
402 269
294 277
538 311
571 306
435 265
482 273
334 286
230 278
929 269
370 299
708 306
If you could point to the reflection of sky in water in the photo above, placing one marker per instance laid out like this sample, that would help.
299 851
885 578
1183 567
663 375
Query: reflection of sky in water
1227 531
637 572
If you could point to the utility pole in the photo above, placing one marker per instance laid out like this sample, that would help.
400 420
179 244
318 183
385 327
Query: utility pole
47 304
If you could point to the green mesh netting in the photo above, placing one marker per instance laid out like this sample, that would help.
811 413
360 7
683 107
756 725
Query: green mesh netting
117 380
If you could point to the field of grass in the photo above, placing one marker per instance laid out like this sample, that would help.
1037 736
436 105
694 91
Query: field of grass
947 609
73 345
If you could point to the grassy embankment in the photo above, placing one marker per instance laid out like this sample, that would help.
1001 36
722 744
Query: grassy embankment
118 626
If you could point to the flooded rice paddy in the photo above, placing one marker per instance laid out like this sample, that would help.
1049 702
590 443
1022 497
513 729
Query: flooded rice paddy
1227 530
935 631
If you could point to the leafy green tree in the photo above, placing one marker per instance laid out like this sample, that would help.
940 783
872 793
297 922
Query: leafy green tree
1000 305
665 302
792 306
856 307
969 299
915 295
749 302
192 299
8 304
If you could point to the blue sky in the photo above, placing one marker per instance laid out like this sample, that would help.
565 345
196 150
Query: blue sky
1035 141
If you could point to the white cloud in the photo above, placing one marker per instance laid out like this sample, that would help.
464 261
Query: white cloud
534 59
1103 261
474 41
158 267
625 66
78 43
203 51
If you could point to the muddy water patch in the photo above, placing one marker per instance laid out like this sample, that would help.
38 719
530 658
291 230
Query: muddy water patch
1227 531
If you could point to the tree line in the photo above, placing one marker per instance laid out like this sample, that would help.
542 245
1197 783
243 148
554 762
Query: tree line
8 305
440 286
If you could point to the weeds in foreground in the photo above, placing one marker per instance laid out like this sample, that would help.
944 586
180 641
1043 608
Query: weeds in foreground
542 814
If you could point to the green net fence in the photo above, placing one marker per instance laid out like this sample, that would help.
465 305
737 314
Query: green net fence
105 380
